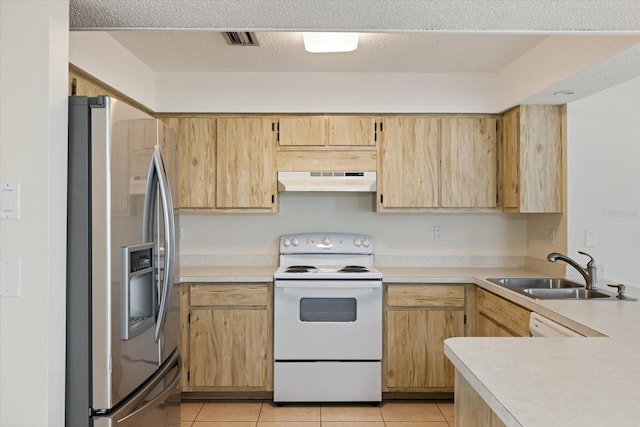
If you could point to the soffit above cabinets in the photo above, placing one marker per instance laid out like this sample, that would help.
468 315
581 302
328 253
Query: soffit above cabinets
208 51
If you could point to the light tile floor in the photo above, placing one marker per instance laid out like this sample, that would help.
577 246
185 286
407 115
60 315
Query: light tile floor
257 413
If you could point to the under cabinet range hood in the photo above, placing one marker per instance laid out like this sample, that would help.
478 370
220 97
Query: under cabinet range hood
327 181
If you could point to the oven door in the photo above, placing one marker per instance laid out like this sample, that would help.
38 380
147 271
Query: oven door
327 320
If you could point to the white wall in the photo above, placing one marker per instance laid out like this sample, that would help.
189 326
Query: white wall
100 55
326 92
33 136
604 179
490 234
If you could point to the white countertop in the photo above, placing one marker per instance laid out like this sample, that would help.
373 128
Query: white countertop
530 382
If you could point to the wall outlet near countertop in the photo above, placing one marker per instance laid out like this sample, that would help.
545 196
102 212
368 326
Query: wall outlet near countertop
590 238
437 232
552 236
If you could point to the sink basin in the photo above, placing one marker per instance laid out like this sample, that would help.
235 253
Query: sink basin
564 293
519 284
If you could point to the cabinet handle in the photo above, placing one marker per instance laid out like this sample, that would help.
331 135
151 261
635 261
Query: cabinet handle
381 198
273 198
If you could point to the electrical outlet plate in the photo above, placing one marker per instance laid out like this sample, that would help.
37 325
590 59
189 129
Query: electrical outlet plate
591 238
437 232
10 200
10 276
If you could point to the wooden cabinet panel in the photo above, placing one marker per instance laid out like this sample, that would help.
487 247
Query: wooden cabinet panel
495 316
352 131
226 337
246 176
469 162
415 347
425 296
510 160
409 168
228 348
302 130
470 409
532 159
418 318
540 158
229 295
196 162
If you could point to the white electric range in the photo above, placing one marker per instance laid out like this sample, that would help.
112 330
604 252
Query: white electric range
327 320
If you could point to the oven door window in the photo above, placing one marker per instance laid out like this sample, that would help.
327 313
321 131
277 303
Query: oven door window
328 309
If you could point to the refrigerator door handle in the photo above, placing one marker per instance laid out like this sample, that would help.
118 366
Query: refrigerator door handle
158 176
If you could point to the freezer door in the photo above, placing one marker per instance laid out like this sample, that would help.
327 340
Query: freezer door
157 404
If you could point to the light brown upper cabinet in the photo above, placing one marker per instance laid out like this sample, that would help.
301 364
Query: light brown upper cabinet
469 162
532 159
302 131
353 131
196 161
246 174
408 172
327 131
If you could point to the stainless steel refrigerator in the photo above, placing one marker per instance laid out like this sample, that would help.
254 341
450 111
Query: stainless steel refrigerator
123 364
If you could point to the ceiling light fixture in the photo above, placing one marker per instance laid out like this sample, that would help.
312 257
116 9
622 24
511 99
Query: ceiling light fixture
322 42
566 92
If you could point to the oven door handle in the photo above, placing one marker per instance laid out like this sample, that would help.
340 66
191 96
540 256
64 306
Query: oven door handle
328 285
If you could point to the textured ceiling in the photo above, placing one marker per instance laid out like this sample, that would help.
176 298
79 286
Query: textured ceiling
284 52
360 15
422 36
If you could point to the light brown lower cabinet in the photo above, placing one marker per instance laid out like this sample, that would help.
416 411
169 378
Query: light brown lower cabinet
418 318
227 337
497 317
470 409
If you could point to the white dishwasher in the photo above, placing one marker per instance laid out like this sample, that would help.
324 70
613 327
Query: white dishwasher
542 327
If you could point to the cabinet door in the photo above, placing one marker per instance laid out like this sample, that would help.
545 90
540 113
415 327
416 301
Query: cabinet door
353 131
510 160
228 348
196 162
301 131
409 163
540 158
246 176
415 347
469 163
495 316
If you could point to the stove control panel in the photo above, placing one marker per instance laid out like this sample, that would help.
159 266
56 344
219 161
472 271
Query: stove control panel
338 243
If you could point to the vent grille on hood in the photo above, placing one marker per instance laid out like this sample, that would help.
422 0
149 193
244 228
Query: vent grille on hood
235 38
327 181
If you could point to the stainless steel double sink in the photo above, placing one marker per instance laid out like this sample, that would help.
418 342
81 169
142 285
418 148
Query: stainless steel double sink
544 288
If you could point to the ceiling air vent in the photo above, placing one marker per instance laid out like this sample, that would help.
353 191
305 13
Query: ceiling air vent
235 38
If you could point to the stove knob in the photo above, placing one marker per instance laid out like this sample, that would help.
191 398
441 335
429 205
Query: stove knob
286 243
366 243
295 241
357 242
326 241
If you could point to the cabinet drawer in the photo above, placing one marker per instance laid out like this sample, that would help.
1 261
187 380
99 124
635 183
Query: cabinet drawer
229 295
505 313
425 296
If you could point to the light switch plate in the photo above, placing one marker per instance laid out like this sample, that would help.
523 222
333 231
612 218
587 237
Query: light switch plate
10 200
10 276
591 238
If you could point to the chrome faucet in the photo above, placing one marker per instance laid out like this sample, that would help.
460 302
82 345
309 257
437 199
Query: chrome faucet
590 273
